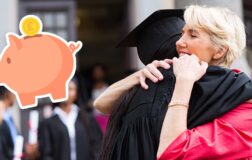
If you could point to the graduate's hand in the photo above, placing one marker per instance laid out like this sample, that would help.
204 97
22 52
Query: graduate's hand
151 71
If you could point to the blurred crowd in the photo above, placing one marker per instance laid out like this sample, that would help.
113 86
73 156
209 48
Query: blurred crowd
70 130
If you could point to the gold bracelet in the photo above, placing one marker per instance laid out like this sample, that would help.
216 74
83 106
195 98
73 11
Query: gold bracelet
178 103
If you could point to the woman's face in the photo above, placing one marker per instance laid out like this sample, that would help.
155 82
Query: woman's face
197 42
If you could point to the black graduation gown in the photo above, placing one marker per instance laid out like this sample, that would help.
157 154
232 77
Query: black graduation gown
2 156
6 142
54 142
138 127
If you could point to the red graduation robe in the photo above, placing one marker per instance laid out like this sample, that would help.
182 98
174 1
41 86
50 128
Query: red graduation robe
226 137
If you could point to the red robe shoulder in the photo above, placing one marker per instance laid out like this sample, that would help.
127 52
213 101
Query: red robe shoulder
226 137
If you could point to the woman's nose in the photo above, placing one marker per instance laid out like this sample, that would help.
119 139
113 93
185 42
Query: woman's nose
181 42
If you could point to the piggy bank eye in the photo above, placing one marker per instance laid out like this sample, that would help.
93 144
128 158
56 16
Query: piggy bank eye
8 60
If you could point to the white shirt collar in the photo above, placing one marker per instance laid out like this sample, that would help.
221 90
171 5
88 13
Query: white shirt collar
68 120
61 113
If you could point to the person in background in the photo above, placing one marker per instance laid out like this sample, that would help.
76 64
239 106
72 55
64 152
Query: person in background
8 128
99 85
2 108
71 133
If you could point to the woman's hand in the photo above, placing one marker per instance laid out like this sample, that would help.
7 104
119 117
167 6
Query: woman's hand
151 71
189 67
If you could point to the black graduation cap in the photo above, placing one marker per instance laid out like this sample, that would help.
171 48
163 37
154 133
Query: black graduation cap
156 36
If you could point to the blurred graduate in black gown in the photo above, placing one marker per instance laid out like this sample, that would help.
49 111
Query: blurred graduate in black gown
71 133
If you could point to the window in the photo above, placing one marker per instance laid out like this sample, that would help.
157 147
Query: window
58 17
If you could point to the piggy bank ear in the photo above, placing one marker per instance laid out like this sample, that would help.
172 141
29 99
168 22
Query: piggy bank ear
14 41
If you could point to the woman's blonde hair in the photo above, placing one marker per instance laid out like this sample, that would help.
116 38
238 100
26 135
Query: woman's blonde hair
224 27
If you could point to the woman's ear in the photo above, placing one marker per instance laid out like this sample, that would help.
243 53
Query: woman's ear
222 50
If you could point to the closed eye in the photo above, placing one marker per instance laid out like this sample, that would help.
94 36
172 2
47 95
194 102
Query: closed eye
194 33
193 36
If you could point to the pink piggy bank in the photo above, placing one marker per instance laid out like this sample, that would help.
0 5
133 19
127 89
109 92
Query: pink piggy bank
38 66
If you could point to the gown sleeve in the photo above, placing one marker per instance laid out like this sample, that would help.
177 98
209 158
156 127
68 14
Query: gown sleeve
226 137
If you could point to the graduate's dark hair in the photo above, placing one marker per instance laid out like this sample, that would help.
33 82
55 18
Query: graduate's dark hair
3 93
114 125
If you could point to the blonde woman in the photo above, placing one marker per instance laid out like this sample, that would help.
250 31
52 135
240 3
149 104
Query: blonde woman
214 36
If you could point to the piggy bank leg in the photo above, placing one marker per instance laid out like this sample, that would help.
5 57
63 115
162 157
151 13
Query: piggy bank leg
26 99
59 94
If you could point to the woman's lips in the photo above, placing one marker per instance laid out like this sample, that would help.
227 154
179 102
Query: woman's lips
184 53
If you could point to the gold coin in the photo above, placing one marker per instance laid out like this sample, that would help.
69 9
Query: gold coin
30 25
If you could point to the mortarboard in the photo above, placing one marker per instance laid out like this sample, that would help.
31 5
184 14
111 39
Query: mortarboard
156 36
